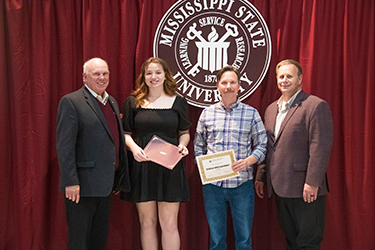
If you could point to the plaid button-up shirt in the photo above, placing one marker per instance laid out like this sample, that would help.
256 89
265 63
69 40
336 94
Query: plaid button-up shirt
239 128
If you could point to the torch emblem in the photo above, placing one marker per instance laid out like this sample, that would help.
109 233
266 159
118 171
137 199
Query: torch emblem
212 54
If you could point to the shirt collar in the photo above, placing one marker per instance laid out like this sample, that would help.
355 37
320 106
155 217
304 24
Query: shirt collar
233 106
283 106
101 99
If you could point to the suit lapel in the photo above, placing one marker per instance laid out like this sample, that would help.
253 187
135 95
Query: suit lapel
111 101
115 109
92 102
272 120
297 103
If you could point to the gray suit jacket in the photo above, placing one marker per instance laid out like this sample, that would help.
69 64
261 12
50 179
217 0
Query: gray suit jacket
301 151
85 148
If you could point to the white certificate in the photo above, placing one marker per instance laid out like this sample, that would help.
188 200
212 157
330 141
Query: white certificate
216 167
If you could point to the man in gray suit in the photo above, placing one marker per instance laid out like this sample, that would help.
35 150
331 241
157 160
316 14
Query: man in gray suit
300 133
91 155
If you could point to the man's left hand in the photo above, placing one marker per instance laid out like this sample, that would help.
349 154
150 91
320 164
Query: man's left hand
310 193
239 165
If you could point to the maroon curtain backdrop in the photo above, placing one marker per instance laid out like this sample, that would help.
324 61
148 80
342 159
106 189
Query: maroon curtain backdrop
42 49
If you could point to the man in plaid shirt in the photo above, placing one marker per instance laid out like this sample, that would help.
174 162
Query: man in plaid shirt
231 125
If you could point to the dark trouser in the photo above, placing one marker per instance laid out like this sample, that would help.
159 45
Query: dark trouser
88 222
302 222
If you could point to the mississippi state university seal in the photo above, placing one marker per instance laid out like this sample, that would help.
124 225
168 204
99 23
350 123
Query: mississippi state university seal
198 37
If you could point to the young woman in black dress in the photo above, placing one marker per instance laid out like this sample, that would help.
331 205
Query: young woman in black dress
154 108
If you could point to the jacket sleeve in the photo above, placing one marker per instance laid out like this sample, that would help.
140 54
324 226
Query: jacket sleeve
66 134
320 143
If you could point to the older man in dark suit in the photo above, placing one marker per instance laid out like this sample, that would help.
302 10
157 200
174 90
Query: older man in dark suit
299 130
91 155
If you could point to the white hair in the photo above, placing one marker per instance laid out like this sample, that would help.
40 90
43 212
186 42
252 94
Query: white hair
86 65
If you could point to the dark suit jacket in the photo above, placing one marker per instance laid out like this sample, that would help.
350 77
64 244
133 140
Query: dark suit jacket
301 151
85 148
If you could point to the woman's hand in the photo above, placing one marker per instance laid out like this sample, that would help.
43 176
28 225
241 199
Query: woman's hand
183 150
138 154
183 139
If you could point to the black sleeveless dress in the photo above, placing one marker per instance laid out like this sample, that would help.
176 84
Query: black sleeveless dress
150 181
